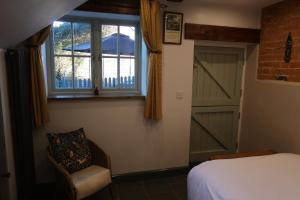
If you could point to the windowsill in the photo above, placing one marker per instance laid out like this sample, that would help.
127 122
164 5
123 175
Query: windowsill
93 97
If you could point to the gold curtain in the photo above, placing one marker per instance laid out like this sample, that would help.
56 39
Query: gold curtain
39 99
151 29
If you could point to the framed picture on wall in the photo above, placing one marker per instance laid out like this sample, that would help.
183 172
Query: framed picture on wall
172 31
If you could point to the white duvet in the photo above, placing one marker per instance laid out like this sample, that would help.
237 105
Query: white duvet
272 177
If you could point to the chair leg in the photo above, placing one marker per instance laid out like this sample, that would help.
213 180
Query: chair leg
56 190
113 192
59 193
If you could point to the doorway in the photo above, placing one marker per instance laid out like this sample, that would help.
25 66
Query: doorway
217 79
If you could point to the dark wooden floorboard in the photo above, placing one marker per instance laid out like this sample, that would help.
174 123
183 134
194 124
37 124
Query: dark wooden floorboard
157 188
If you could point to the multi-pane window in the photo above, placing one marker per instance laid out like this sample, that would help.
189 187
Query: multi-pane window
88 54
118 56
72 55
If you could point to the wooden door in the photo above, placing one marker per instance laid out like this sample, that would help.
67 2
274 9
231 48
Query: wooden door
4 175
217 78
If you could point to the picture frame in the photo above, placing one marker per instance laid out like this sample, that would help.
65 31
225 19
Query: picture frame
172 30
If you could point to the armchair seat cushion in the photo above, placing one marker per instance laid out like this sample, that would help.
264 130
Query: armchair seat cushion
89 180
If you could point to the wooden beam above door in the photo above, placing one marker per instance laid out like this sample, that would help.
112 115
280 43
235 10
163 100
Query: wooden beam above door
221 33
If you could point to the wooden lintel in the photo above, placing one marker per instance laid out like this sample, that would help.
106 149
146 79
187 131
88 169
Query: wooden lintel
130 7
221 33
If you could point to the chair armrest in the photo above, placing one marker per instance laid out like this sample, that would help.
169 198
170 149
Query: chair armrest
64 174
99 157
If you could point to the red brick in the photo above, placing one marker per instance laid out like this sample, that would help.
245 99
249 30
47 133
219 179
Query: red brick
294 72
276 64
284 65
267 70
294 65
282 71
265 77
277 21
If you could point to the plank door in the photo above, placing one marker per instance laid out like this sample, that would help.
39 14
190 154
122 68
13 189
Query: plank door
217 78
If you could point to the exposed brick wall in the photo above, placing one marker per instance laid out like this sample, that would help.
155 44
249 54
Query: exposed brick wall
277 21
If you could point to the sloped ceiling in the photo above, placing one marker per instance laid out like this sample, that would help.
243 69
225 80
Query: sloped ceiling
19 19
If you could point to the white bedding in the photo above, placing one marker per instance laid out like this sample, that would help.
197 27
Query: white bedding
272 177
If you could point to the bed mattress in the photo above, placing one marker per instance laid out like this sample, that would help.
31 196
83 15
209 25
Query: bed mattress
271 177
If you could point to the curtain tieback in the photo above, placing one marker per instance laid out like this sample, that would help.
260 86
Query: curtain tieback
156 51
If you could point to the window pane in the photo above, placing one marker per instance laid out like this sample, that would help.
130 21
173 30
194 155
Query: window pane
62 36
127 40
109 40
127 73
109 73
63 72
82 39
82 72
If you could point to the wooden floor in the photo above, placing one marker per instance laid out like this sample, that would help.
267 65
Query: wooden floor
167 188
172 187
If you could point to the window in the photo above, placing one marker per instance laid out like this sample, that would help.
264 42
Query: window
87 53
118 57
72 55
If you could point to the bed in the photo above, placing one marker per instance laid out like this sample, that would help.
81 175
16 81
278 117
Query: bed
268 177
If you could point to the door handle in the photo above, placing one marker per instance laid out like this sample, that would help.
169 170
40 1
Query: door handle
5 175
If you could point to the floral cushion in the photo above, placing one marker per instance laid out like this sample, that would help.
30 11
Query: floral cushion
70 150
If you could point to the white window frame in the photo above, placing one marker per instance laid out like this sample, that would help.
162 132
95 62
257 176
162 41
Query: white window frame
96 58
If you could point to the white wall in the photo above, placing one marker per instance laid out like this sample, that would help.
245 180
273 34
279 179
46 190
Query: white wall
7 127
119 127
271 113
218 14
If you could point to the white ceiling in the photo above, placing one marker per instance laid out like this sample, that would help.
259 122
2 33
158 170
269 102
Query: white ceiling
19 19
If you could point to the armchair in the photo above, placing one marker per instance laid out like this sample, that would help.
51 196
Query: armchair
88 181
